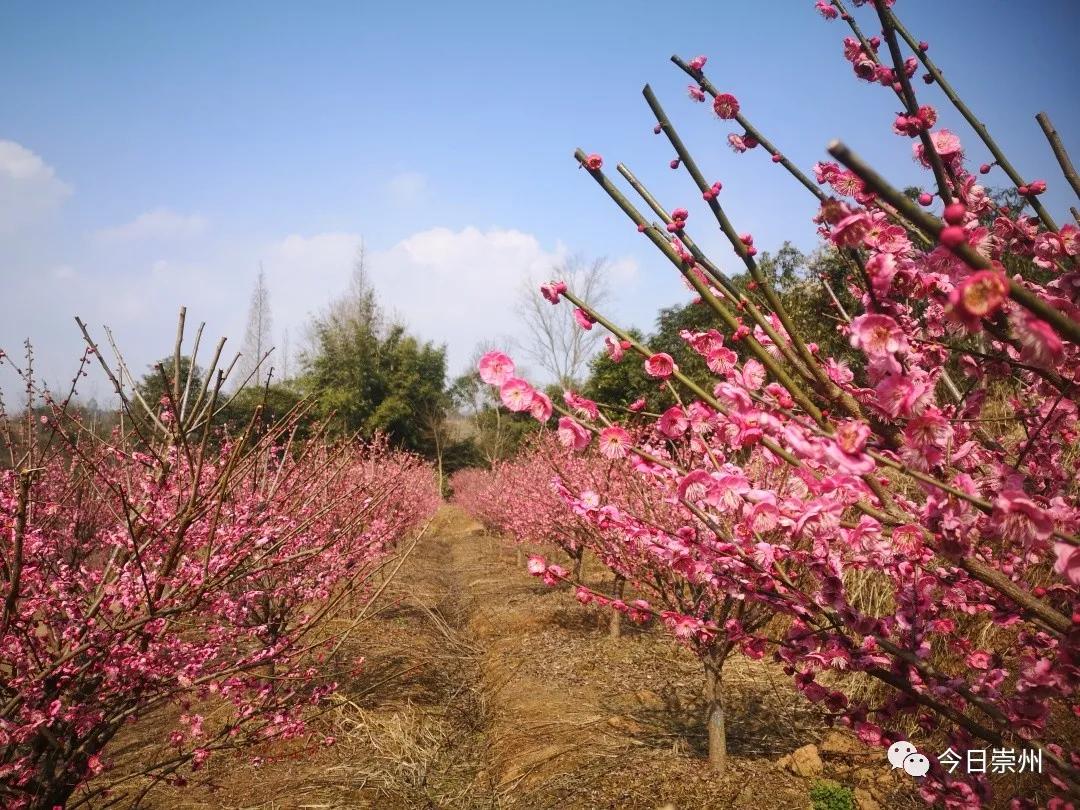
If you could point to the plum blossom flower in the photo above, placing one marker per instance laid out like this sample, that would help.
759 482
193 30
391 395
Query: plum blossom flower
902 394
978 296
614 442
553 574
673 422
495 368
1019 519
583 319
847 449
536 565
980 659
726 105
877 335
740 143
849 231
637 405
660 365
1049 249
753 375
826 9
571 434
516 394
540 407
552 290
1039 343
582 406
945 143
593 162
698 62
1067 561
614 348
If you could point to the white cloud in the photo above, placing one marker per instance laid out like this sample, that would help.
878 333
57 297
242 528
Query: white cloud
457 287
454 287
407 188
159 224
29 187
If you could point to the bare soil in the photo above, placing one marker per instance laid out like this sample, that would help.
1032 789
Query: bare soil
484 689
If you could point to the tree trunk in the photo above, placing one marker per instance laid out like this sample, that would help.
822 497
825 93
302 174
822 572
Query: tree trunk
615 622
714 715
579 558
520 555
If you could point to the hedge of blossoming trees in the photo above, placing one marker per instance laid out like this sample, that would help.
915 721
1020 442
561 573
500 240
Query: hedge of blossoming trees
165 565
911 523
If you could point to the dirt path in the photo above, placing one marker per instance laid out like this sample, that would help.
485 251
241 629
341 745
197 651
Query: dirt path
484 689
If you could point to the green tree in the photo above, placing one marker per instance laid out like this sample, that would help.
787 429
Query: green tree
375 377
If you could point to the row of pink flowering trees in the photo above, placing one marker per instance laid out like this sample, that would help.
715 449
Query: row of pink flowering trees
168 571
910 521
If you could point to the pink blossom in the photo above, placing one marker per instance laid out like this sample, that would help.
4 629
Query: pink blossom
614 442
583 318
698 62
540 407
979 659
877 335
516 394
553 290
826 9
1019 519
553 575
571 434
593 162
946 144
614 348
1067 561
582 406
740 143
849 231
753 375
1040 345
674 422
536 565
979 296
660 365
495 368
726 105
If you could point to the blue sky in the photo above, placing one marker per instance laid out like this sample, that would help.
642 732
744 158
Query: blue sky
155 153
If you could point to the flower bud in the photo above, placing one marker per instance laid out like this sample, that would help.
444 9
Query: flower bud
954 213
953 237
925 199
984 169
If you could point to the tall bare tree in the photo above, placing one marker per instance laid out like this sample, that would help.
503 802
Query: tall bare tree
257 341
555 342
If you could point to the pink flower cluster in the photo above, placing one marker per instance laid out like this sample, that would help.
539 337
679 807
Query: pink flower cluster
187 576
912 517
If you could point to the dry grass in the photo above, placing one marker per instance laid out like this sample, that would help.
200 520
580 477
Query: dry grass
484 689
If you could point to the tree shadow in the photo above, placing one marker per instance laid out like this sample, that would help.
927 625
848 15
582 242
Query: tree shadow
761 722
